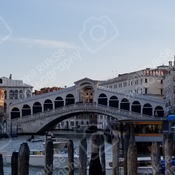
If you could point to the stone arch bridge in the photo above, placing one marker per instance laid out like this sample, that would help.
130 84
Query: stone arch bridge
39 112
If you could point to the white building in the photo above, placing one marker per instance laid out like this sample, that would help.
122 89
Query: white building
14 90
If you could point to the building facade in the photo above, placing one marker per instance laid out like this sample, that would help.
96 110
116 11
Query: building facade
169 87
146 82
14 90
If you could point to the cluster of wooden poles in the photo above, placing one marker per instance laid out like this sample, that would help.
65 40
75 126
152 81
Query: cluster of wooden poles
20 160
130 163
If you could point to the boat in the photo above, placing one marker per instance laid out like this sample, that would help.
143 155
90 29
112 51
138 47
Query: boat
144 166
60 157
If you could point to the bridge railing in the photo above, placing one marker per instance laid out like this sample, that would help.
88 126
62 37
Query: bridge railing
43 95
111 111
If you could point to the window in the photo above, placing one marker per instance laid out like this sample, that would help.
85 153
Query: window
125 84
16 94
120 85
146 90
161 91
28 94
136 82
5 94
161 81
21 96
1 81
146 80
11 94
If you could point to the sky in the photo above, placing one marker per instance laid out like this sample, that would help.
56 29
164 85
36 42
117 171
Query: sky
55 43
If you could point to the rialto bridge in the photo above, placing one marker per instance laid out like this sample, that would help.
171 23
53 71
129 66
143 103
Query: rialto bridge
39 112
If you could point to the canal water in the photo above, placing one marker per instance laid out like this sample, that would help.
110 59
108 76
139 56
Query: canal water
13 144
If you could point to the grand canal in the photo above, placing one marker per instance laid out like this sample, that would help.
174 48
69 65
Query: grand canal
13 144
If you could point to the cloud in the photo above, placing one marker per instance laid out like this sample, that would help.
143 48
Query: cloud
31 42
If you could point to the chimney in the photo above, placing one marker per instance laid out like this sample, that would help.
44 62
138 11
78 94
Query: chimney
10 77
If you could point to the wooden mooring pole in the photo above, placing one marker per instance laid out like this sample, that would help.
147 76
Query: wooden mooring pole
102 154
71 157
83 156
132 154
23 159
125 147
14 163
48 158
1 165
115 156
168 154
155 158
95 165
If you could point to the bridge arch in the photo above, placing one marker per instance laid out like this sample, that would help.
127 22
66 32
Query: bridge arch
125 104
102 99
37 107
26 110
48 105
59 102
70 99
113 101
158 111
136 107
15 113
147 109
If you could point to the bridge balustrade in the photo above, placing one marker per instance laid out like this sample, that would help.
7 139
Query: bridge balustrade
89 107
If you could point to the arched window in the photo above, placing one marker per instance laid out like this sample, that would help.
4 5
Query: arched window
16 94
59 102
136 107
28 93
125 104
15 113
147 109
102 99
48 105
11 94
21 95
70 99
37 107
26 110
113 102
159 112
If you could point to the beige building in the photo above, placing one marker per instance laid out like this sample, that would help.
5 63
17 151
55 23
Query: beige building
146 82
